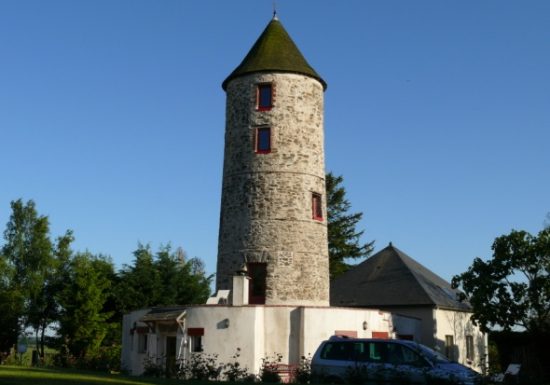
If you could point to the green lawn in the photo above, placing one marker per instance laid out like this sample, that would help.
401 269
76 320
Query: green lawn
18 375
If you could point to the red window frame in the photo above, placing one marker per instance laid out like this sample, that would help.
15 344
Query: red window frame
262 105
317 206
258 132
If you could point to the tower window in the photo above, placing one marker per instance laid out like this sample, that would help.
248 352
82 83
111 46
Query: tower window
264 96
256 291
317 206
263 140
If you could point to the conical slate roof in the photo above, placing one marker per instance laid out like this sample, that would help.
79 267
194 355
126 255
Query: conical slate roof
274 51
391 278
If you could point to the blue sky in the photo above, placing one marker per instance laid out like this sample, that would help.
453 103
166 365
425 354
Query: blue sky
437 114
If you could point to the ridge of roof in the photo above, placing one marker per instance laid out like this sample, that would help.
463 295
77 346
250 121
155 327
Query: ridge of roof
274 51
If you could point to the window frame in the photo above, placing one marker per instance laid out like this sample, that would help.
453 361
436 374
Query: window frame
317 207
260 105
257 131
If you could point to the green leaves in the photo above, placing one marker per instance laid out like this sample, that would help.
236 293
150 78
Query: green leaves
513 288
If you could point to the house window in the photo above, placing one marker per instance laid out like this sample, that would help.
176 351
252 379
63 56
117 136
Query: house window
263 140
449 347
264 96
257 284
195 339
470 348
317 206
142 343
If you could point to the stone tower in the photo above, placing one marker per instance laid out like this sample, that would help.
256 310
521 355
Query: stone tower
273 210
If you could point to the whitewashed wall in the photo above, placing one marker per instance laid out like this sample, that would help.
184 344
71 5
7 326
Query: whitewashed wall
458 325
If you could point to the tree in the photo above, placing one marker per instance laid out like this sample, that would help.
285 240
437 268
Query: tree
83 324
513 288
11 307
32 261
165 278
343 238
140 283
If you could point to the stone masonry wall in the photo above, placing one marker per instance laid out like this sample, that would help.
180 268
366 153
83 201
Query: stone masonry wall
266 213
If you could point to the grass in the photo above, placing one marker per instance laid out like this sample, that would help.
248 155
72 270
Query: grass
19 375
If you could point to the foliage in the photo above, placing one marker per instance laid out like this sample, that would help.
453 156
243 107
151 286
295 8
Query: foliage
513 288
302 374
29 267
269 369
233 370
153 366
201 367
83 323
343 238
161 279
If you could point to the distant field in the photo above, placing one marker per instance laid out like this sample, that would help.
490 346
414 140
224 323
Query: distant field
17 375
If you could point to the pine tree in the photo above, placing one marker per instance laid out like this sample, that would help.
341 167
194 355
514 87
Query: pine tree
343 238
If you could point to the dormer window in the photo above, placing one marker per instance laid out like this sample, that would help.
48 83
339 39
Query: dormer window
263 140
264 96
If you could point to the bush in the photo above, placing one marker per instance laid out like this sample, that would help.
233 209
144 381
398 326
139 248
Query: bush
302 374
153 367
234 371
269 370
201 367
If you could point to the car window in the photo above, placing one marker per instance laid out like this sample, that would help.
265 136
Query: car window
372 352
341 351
401 355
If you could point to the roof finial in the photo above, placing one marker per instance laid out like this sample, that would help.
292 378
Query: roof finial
391 245
275 10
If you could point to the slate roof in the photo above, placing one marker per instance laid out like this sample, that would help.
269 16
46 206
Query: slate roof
392 278
274 51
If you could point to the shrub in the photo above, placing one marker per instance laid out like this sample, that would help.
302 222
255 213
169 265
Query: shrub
200 366
269 370
302 374
234 371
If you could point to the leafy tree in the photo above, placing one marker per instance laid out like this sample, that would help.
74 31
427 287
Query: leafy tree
513 288
343 238
32 261
83 324
165 278
140 283
11 307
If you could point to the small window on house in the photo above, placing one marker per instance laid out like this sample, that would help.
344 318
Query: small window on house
195 339
263 140
257 284
196 344
470 348
317 206
142 343
449 347
264 96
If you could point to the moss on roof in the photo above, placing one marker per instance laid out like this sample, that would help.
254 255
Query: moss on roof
274 51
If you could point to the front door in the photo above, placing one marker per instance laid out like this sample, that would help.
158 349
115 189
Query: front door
170 356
